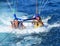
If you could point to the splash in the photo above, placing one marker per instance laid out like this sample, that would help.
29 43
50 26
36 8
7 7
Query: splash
5 26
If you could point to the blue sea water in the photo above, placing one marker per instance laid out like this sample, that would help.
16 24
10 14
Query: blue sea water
26 8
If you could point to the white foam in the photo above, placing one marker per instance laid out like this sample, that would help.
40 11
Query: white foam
29 28
26 41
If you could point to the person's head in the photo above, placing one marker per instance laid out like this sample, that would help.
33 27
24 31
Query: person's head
38 18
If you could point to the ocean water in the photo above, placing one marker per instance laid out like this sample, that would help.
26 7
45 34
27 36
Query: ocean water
47 35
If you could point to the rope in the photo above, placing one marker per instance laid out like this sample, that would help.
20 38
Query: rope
11 31
45 3
10 6
36 7
43 6
15 5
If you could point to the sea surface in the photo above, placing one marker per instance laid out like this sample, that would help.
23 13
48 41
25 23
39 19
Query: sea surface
47 35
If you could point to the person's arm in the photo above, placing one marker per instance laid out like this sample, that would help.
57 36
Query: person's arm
29 19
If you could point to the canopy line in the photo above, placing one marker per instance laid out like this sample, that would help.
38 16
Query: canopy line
42 6
9 4
15 6
11 31
36 7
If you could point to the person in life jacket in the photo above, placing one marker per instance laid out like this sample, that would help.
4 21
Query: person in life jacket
37 22
16 23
